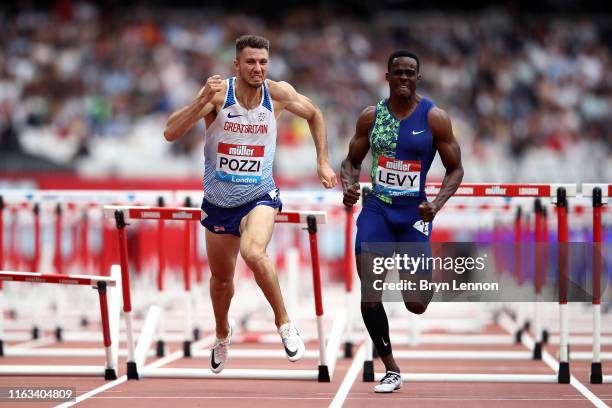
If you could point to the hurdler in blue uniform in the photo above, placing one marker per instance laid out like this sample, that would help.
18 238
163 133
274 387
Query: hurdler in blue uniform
403 132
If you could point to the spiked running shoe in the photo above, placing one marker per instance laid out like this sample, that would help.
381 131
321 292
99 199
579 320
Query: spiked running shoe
294 346
390 382
218 353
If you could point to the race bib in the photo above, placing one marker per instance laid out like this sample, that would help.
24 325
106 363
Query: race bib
240 164
398 177
422 227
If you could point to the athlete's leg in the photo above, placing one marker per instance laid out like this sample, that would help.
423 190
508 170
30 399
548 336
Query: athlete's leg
372 228
256 231
373 311
222 250
413 236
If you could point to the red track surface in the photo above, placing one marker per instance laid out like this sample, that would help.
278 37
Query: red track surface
269 393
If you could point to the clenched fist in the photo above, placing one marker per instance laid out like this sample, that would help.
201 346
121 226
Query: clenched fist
351 195
213 85
427 211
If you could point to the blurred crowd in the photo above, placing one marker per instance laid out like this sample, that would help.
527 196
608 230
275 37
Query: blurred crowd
530 96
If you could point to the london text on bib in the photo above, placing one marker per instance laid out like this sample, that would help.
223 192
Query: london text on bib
240 164
397 177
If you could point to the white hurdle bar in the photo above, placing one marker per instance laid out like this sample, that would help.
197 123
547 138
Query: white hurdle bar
558 194
327 351
109 311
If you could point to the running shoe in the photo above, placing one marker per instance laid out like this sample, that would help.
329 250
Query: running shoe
219 352
390 382
294 346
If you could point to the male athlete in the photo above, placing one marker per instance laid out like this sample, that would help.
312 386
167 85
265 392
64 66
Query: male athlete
404 132
240 196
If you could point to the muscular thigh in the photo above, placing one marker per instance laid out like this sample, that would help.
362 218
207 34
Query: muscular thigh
256 228
222 250
372 228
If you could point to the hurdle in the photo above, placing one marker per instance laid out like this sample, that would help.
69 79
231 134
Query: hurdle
558 194
328 352
63 206
109 311
489 203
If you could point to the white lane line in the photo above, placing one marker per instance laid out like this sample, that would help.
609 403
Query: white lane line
386 398
225 397
95 391
554 364
349 378
44 341
164 360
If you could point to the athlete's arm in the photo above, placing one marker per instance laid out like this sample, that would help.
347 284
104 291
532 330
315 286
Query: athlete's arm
303 107
450 153
358 149
182 120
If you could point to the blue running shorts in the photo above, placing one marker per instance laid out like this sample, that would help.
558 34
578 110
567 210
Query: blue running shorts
400 223
222 220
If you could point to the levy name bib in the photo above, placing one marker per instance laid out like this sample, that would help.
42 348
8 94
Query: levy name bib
397 177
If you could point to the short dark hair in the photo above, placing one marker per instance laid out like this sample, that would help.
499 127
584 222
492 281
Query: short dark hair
402 53
251 41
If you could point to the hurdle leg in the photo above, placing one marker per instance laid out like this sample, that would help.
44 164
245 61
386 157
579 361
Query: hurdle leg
563 259
348 278
110 372
324 374
596 376
160 345
537 327
132 369
368 362
187 286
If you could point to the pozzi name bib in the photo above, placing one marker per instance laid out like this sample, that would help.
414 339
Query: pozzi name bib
241 164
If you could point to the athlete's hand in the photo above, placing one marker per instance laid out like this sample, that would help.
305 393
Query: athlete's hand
427 211
351 195
213 85
327 175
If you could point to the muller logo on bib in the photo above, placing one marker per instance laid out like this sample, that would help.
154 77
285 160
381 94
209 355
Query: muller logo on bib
240 164
241 151
397 177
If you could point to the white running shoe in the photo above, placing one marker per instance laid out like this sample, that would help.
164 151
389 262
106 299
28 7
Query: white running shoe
294 346
219 351
391 381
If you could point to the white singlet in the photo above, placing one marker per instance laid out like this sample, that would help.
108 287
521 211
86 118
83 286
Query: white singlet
239 151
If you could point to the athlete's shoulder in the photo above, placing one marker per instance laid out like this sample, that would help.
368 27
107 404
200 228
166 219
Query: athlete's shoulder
439 122
368 114
366 119
437 114
281 90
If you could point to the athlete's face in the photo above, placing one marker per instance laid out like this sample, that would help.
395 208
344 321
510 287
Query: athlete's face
403 76
252 66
